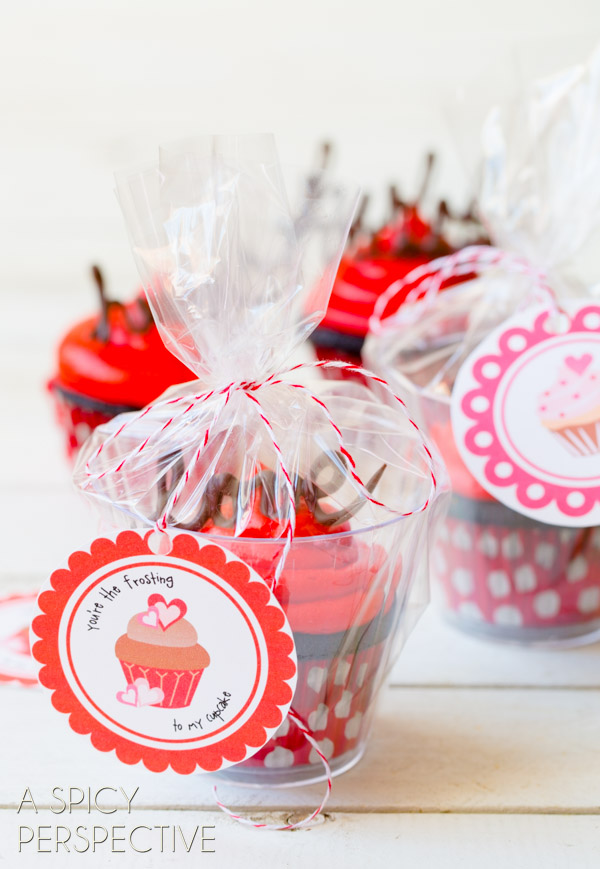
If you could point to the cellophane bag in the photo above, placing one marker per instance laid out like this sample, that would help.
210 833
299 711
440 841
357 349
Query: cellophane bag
238 269
540 202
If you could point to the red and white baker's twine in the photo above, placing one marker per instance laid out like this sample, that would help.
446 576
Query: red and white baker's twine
250 389
429 278
305 822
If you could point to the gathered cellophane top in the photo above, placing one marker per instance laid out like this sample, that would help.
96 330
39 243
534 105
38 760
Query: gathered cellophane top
539 202
238 266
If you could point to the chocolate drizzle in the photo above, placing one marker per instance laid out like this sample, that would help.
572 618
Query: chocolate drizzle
425 181
102 331
224 486
139 323
357 223
406 224
399 204
326 518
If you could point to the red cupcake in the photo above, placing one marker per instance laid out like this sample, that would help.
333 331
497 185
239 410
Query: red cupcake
108 364
338 590
408 240
160 656
505 575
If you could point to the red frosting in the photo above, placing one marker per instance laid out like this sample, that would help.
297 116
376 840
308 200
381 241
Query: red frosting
130 368
406 242
359 283
330 584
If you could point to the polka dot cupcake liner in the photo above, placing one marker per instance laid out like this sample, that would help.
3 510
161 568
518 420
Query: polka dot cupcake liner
520 578
338 677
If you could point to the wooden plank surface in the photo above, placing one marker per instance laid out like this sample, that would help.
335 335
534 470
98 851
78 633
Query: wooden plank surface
433 750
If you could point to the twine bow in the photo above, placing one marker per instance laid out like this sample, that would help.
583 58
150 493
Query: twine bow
183 405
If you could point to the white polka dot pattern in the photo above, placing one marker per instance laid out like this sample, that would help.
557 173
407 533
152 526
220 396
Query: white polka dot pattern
512 547
316 678
326 746
525 578
333 698
589 600
352 728
545 555
534 576
463 580
362 672
499 583
342 707
488 544
508 616
279 758
341 674
577 569
546 604
317 720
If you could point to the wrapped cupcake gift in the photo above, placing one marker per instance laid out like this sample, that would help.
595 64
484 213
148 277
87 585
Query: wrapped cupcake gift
505 373
307 502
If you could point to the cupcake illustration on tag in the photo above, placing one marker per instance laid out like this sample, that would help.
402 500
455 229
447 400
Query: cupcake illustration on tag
184 660
160 656
570 408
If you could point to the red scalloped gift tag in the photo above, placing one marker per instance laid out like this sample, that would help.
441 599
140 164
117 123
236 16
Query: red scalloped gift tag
183 660
526 414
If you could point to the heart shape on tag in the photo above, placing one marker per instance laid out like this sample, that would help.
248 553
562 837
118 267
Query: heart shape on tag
168 613
147 696
140 694
149 618
578 364
129 697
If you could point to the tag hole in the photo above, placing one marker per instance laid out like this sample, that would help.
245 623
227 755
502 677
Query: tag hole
159 544
558 323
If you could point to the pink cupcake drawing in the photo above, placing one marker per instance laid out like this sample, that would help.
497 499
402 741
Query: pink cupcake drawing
570 408
160 656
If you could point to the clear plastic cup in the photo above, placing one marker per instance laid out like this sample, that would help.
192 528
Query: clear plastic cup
351 599
503 575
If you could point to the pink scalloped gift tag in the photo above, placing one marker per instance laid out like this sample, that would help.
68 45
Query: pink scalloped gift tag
526 414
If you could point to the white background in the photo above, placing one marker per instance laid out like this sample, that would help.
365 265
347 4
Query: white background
87 88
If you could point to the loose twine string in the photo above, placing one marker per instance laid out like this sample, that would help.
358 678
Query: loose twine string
429 279
183 405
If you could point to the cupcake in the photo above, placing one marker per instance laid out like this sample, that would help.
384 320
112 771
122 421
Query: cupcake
338 590
340 661
503 575
109 364
570 408
408 240
506 575
160 655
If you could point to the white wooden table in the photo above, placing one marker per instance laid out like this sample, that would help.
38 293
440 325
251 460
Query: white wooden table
482 755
